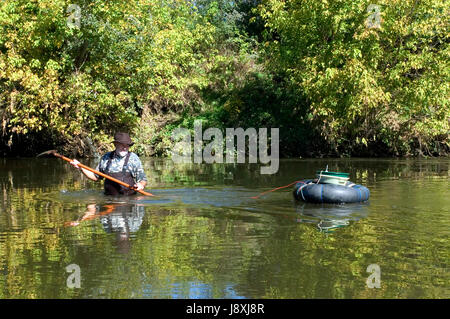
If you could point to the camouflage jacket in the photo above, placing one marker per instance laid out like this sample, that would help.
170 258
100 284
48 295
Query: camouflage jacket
134 166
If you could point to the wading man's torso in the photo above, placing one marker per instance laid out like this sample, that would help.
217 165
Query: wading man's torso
127 169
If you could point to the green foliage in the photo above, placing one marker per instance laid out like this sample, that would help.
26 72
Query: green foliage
334 76
367 80
73 76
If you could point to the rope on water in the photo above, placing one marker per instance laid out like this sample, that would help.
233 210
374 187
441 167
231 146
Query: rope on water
272 190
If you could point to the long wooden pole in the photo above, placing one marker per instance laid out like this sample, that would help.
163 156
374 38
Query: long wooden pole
101 174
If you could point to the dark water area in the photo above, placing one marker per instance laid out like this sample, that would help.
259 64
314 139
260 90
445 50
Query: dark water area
204 236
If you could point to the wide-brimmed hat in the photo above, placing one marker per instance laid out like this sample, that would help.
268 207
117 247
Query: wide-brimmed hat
123 138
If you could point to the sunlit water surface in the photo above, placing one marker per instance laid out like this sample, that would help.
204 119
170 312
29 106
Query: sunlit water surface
204 236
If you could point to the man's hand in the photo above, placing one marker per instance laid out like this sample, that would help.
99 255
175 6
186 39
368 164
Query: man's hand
75 163
86 173
138 186
74 223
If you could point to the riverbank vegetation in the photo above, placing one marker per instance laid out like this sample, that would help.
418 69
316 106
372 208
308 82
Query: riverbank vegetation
338 78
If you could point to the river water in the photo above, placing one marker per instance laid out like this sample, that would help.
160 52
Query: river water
204 236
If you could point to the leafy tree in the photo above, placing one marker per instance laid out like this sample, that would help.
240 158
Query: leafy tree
337 77
71 71
372 74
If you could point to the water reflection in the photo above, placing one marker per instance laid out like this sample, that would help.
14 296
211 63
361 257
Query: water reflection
201 290
205 237
328 217
122 219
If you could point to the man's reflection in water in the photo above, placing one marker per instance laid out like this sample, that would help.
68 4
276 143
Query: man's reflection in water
122 219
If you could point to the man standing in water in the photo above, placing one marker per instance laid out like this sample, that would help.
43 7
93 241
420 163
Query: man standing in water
120 164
